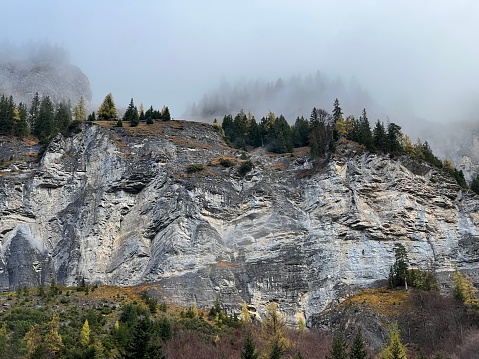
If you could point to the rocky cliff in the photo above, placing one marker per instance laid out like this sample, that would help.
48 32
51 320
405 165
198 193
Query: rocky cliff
118 206
61 81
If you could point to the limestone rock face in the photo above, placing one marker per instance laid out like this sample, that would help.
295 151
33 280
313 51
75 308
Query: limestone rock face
117 206
61 81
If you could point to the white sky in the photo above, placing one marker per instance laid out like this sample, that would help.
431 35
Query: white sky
418 58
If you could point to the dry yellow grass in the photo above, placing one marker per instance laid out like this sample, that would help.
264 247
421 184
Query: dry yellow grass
385 301
216 161
277 167
223 264
301 151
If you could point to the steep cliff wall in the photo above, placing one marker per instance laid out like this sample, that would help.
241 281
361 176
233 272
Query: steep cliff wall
61 81
117 206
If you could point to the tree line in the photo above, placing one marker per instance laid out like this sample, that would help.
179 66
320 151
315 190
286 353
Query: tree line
323 130
44 118
133 114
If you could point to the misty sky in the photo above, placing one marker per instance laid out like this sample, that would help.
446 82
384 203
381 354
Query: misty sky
415 58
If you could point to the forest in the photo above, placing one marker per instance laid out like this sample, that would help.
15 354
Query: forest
91 321
323 130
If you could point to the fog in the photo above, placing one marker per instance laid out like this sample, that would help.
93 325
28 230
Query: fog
412 59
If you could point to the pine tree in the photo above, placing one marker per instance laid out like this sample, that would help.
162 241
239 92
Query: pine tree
394 136
107 110
45 122
165 114
395 349
249 348
398 273
85 334
339 348
131 114
63 116
365 134
92 116
276 350
7 108
380 139
34 111
337 111
143 345
21 126
358 348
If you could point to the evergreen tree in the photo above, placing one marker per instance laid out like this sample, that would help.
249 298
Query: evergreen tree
394 136
7 108
337 111
339 348
398 275
249 348
63 116
358 348
395 349
92 116
276 351
131 114
34 111
45 122
143 345
165 114
380 139
280 137
21 126
365 135
254 130
300 132
107 110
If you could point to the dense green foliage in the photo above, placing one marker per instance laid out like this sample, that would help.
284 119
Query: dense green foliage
132 115
92 322
321 133
339 348
107 110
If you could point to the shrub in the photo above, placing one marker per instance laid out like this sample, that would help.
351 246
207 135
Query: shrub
245 167
424 280
226 162
196 167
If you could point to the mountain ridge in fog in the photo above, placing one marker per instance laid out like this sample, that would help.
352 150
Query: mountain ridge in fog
43 68
292 97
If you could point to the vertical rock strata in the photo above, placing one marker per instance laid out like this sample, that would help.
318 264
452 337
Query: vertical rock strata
118 207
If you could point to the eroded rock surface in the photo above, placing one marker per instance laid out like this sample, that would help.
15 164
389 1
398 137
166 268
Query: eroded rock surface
117 206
